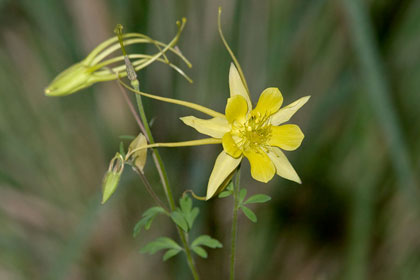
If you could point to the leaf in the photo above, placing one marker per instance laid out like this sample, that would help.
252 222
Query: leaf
147 219
249 213
192 216
179 219
206 240
224 194
153 211
170 253
258 198
242 194
159 244
186 204
230 187
139 225
200 251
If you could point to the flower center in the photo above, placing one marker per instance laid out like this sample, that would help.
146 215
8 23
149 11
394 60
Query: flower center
254 133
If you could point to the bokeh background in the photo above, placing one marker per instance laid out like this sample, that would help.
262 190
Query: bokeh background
356 215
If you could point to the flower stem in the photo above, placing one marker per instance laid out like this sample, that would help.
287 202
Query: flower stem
165 182
234 233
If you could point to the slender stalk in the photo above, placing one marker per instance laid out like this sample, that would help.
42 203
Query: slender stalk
149 188
234 233
165 182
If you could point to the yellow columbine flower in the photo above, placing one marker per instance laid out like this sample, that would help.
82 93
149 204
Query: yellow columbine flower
245 132
252 133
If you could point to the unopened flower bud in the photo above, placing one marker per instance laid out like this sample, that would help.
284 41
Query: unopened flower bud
139 155
112 177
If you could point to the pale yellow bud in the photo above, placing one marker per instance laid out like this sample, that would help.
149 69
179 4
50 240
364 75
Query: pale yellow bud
139 155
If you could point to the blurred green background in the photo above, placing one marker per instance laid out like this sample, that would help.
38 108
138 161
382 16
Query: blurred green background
356 215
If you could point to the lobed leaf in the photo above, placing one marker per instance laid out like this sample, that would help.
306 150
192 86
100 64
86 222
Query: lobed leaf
258 198
249 213
160 244
242 195
206 240
200 251
179 219
170 253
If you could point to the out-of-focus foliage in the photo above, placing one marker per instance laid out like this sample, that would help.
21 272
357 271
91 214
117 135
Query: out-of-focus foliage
355 216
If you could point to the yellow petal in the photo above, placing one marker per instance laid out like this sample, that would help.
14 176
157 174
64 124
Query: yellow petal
229 145
283 167
284 114
262 169
236 109
270 102
223 167
288 137
236 86
215 127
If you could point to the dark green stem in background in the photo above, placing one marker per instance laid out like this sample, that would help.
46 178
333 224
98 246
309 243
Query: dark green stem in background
234 232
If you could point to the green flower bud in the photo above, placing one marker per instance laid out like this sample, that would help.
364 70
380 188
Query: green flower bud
99 67
112 177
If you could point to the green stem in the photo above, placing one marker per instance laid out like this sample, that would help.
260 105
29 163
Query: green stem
234 233
165 182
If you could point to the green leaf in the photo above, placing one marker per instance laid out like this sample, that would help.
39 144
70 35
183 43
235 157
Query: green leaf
206 240
153 211
249 213
200 251
179 219
191 216
170 253
147 219
139 225
230 187
242 194
258 198
160 244
224 194
186 204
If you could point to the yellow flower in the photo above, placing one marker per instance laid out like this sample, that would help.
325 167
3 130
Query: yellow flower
252 133
256 134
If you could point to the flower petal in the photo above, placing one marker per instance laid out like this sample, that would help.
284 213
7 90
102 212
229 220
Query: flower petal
270 102
215 127
288 137
262 169
236 109
236 86
283 167
284 114
229 146
224 166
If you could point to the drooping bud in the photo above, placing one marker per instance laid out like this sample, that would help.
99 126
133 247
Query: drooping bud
112 177
139 155
98 66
